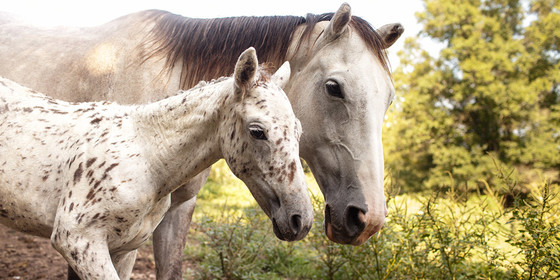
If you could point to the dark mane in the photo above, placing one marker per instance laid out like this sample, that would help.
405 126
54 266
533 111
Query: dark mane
216 43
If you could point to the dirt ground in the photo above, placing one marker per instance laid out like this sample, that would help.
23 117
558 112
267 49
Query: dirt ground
26 257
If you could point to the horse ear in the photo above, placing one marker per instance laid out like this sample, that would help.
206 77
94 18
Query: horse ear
390 33
340 21
282 75
245 70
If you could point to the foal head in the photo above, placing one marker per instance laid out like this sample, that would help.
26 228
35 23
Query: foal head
259 140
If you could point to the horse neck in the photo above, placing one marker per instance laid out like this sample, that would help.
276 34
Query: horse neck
181 133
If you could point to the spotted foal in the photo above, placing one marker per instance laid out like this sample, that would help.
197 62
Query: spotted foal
96 177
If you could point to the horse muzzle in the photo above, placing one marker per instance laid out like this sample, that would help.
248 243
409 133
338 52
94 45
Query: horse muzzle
354 227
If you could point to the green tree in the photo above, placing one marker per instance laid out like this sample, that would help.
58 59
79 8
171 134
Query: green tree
493 93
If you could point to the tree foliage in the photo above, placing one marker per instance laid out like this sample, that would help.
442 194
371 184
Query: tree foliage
492 94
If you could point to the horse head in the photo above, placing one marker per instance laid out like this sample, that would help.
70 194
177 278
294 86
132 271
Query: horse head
260 143
340 88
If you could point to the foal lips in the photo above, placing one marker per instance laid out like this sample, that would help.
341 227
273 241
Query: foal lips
277 231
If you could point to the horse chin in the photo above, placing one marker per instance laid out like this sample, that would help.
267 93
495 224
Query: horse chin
338 238
363 238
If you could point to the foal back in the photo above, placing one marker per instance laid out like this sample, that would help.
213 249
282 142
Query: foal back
31 171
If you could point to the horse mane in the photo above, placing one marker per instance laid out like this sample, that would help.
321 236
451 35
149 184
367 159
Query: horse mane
216 43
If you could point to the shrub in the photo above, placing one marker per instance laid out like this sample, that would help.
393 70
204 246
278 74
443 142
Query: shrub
235 245
537 220
449 234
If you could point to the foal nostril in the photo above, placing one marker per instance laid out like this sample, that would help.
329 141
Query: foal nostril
295 224
355 221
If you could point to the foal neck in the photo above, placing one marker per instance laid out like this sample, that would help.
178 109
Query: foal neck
181 132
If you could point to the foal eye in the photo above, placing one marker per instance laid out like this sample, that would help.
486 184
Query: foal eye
257 132
333 89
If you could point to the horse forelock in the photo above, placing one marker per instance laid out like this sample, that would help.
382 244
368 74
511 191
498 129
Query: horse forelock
209 48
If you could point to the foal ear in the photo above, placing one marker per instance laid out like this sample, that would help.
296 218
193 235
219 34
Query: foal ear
245 70
282 75
390 33
339 21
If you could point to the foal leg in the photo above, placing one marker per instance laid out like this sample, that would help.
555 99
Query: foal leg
124 264
88 258
170 236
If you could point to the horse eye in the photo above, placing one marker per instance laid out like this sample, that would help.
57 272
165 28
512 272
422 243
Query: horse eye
333 88
257 133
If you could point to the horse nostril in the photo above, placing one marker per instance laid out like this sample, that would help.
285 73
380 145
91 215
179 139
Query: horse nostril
295 224
355 221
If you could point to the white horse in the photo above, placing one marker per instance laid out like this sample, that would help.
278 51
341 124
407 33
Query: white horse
340 88
97 177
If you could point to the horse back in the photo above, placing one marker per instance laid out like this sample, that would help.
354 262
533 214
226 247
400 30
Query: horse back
85 64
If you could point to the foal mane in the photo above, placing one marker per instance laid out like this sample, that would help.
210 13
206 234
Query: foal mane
209 48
